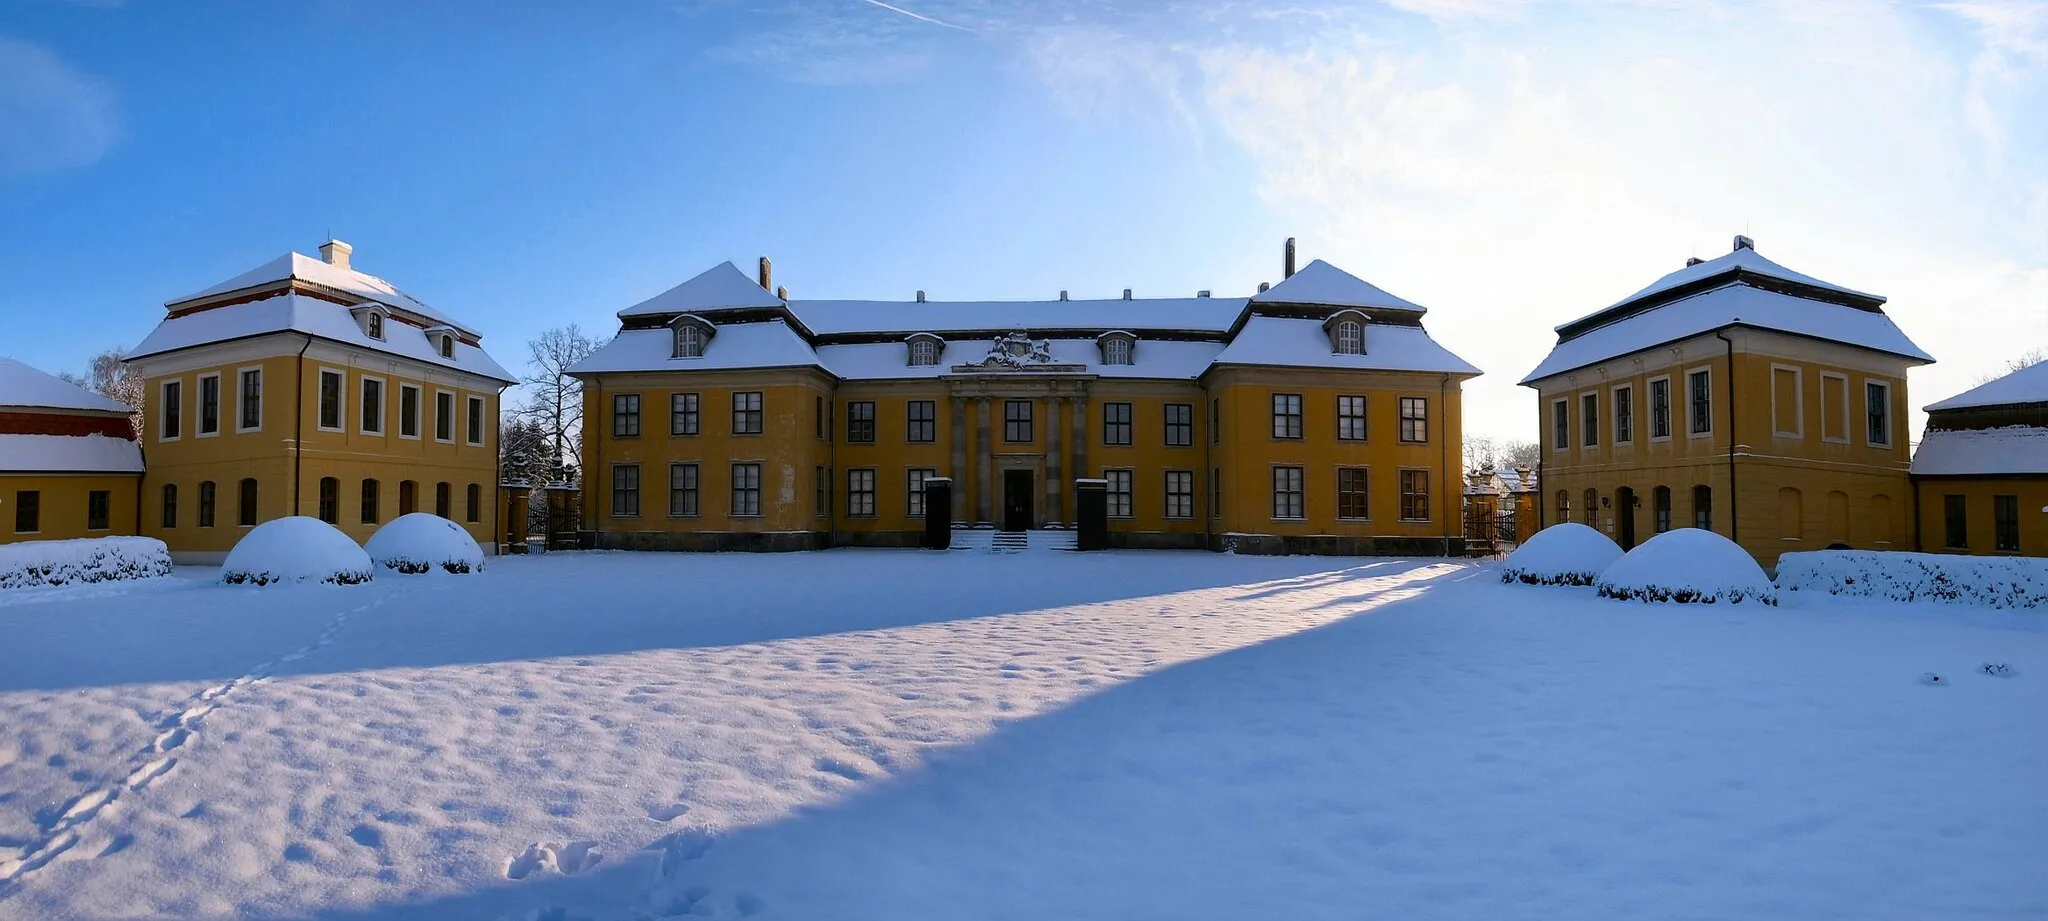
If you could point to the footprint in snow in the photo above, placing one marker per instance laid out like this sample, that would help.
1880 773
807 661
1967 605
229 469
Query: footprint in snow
568 859
680 848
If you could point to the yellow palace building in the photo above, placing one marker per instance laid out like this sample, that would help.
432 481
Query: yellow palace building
1981 471
69 465
1735 395
1315 416
305 387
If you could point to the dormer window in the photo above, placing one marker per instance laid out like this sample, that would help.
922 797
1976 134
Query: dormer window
692 334
1346 329
370 319
1118 347
925 349
443 340
447 346
376 325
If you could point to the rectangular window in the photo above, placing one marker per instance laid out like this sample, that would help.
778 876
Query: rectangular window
1662 509
1703 508
1350 418
1624 415
914 507
206 502
369 502
330 500
408 411
1119 492
1955 515
625 415
476 421
444 417
1286 415
1180 494
98 509
625 491
174 411
746 415
682 414
1589 419
246 512
2005 518
922 424
28 511
746 489
860 422
1700 397
1787 402
373 406
860 494
1180 425
1287 494
1560 425
251 415
331 383
821 485
1215 492
472 500
209 404
682 490
1414 420
1415 495
1834 408
1660 408
1351 495
1017 421
170 509
1877 411
1116 423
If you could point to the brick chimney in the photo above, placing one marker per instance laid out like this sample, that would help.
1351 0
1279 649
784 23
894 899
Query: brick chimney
1691 261
781 293
1288 269
1742 242
767 275
335 253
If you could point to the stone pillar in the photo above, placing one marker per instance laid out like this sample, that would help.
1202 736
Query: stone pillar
984 481
1053 512
1080 439
959 471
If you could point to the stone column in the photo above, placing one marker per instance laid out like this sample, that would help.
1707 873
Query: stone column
1053 512
959 469
984 483
1080 441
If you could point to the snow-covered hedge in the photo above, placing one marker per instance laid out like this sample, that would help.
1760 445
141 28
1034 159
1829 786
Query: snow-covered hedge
420 542
90 559
1689 566
296 549
1990 581
1562 554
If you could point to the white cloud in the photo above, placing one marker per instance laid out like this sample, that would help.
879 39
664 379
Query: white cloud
51 115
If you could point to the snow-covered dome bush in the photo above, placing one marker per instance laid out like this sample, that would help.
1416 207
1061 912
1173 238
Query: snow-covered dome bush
1562 554
420 542
1688 565
295 549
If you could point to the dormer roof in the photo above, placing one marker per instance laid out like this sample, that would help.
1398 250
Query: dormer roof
1322 284
721 287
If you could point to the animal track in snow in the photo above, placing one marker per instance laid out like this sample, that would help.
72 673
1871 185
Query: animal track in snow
568 859
680 848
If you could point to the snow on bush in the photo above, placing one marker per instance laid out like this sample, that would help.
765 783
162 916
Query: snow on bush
90 559
420 542
1562 554
295 549
1689 566
1990 581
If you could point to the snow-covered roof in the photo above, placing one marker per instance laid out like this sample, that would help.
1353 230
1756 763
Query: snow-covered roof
1207 314
301 314
1300 343
1159 360
21 385
721 287
2013 449
1729 305
316 271
768 344
2027 385
1745 258
69 454
1324 284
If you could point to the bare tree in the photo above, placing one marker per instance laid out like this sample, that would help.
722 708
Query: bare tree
555 400
110 377
1485 452
2026 360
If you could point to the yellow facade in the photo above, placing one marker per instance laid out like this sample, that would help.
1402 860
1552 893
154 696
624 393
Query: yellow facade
1985 501
63 502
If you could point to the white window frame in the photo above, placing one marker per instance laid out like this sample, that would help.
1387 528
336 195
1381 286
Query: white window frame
1355 341
373 324
1116 350
163 408
450 394
383 405
1592 419
240 398
699 340
1891 422
420 410
1798 401
1847 432
473 408
199 403
1166 485
923 353
1670 408
1635 413
340 398
1273 488
1709 372
1130 476
1564 444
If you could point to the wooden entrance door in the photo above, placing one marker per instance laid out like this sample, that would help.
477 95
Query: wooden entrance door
1017 500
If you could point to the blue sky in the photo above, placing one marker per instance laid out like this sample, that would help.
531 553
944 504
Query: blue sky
1509 163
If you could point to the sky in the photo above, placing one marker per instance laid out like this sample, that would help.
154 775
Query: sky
1510 164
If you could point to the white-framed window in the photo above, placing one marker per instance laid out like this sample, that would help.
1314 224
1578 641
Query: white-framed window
1352 493
1119 492
682 490
248 399
1116 350
1834 407
1624 400
1699 402
1788 401
1877 414
625 491
1180 494
924 352
914 507
171 410
746 490
1350 418
1589 419
1660 409
333 401
408 411
1350 338
860 493
475 432
376 325
1414 420
1414 495
370 419
209 405
1287 493
689 341
1560 425
444 416
447 345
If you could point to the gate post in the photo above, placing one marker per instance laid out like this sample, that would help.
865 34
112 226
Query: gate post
1091 514
938 513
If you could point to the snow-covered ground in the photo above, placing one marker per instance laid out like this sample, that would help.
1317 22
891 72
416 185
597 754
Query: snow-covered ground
898 734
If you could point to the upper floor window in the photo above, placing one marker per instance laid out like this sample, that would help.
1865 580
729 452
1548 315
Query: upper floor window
252 399
476 420
1286 415
682 414
376 325
1118 348
444 417
1660 408
331 383
1560 424
173 415
1877 409
1350 418
1017 421
1624 415
1589 419
373 406
1414 419
625 415
209 404
1180 425
408 411
922 421
746 414
448 345
691 335
1350 337
924 349
1700 397
1116 423
860 422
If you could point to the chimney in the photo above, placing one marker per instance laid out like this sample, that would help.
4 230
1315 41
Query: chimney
1742 242
1202 293
1264 285
920 296
1691 261
781 292
767 275
1289 267
1063 294
1127 294
335 253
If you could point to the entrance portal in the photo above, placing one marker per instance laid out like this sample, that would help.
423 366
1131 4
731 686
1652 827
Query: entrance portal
1017 494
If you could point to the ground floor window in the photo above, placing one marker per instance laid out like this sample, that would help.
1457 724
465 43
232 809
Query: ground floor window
1180 494
860 493
625 490
1215 492
369 501
682 490
2005 514
914 506
1955 515
822 484
1287 494
442 506
98 510
330 500
473 498
1415 495
1591 511
408 497
1703 508
28 511
746 490
170 513
1351 494
206 491
247 513
1119 492
1661 499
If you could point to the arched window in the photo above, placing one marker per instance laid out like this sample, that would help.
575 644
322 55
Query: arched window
1592 511
170 505
1564 506
206 498
330 500
246 508
441 498
1791 514
689 342
1703 508
1881 518
474 498
1116 351
1660 500
448 345
369 501
924 352
1350 338
376 325
408 497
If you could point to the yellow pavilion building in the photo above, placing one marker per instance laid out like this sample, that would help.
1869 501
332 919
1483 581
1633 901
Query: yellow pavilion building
69 464
1981 471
